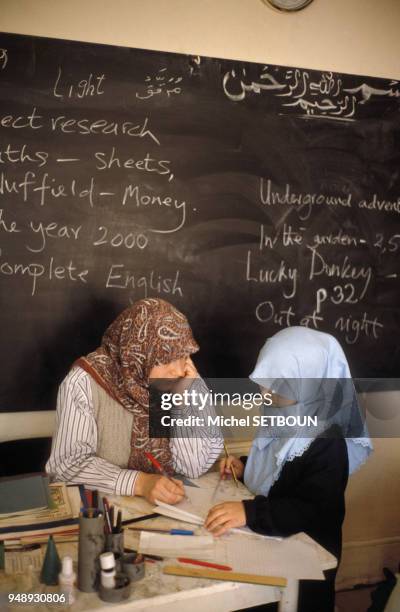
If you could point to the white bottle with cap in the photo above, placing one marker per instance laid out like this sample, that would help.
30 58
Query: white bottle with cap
107 564
67 579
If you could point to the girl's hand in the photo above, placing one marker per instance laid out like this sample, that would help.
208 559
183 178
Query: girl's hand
225 467
223 517
156 487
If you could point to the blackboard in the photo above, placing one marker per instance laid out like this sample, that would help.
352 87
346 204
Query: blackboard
251 196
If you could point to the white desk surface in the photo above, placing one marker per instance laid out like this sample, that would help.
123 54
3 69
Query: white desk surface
167 593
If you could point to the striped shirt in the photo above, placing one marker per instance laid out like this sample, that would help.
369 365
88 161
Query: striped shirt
73 455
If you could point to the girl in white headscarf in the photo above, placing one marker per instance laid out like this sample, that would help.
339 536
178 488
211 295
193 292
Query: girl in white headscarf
299 477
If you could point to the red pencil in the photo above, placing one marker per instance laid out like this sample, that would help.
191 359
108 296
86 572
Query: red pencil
156 464
205 564
159 467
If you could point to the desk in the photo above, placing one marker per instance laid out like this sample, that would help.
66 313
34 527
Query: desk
168 593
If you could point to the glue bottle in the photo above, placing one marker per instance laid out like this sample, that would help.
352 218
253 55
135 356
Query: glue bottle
67 579
107 564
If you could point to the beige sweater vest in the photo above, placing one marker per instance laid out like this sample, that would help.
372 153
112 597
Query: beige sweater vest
114 427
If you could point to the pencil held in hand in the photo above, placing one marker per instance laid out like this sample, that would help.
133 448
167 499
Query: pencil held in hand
231 466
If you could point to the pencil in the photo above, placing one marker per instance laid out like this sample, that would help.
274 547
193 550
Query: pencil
107 515
145 517
232 468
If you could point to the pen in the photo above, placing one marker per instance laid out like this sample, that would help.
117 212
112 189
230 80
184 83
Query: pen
119 521
232 468
95 499
83 496
111 515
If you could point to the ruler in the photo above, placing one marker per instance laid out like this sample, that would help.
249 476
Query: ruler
177 570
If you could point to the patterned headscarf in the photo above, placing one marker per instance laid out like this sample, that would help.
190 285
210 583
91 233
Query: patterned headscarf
149 333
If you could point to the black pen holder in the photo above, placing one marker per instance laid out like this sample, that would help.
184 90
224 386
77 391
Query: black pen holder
91 545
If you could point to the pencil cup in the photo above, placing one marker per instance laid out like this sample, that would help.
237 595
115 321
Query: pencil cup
118 593
133 566
91 545
115 543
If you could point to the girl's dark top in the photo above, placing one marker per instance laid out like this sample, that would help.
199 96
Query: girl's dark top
308 496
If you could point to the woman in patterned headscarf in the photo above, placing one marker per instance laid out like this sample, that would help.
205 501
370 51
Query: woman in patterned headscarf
102 426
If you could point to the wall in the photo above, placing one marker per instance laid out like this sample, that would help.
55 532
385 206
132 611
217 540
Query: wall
354 36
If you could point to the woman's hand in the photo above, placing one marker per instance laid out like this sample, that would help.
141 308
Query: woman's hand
156 487
186 380
225 467
190 369
223 517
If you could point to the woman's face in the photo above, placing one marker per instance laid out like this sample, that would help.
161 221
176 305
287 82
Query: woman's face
173 369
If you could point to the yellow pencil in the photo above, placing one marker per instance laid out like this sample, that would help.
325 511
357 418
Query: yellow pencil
232 468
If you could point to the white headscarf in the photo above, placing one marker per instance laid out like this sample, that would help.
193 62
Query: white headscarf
310 368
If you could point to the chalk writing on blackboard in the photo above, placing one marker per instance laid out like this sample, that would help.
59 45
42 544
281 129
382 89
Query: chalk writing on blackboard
325 97
92 85
162 83
3 58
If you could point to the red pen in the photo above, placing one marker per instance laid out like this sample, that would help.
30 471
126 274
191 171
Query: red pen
205 564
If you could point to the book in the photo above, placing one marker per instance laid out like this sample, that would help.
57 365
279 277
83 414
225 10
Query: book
59 510
23 494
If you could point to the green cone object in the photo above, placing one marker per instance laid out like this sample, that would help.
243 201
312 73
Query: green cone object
51 565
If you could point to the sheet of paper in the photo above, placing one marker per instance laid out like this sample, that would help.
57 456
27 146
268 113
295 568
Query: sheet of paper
287 558
164 545
184 511
135 505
